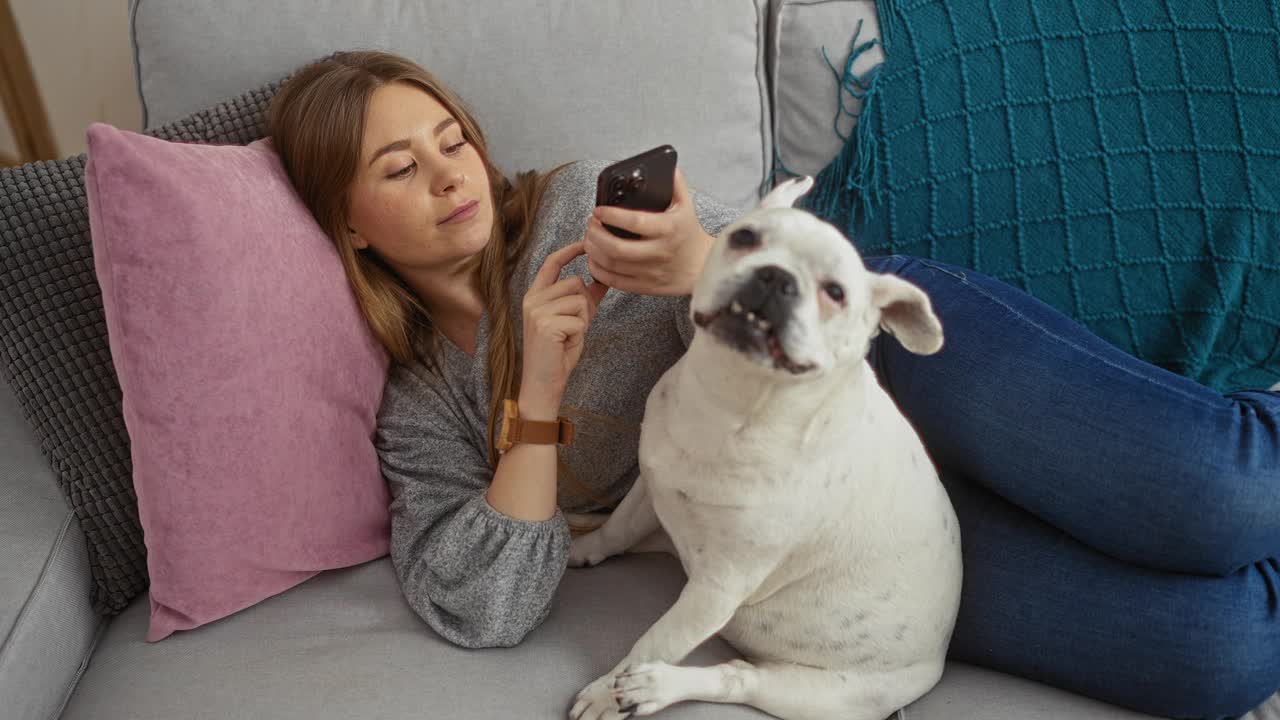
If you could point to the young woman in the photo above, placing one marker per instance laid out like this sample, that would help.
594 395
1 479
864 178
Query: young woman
1121 523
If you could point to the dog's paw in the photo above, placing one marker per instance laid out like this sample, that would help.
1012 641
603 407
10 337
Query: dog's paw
598 701
647 688
588 550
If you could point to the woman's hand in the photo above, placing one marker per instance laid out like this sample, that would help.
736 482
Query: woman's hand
556 316
667 257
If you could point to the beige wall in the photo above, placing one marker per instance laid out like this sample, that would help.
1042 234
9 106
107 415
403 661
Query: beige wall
83 65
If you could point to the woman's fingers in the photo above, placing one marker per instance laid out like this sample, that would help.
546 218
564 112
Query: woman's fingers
566 326
569 287
554 264
647 223
577 305
618 253
625 283
665 260
644 223
629 265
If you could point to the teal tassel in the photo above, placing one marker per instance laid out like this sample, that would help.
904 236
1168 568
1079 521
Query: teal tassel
845 190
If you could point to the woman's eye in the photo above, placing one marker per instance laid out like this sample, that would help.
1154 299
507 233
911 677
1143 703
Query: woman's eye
455 148
834 291
402 172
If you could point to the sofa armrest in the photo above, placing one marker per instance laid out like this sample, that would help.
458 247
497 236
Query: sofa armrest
47 624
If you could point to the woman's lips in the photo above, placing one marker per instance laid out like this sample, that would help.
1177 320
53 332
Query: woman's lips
462 213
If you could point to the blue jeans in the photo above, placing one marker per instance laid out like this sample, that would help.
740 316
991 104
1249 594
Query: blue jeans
1120 523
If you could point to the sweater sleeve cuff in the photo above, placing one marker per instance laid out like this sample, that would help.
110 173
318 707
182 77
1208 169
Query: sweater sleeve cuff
492 516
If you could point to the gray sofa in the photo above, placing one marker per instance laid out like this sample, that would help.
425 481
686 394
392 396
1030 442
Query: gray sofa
731 84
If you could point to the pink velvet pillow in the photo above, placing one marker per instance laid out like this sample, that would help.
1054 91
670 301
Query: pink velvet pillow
250 380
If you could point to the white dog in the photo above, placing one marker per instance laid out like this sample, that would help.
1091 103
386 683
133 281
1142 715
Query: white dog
811 524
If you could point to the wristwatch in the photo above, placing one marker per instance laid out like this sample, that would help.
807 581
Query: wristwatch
518 430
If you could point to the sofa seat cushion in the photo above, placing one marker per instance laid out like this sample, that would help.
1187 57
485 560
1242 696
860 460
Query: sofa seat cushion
345 644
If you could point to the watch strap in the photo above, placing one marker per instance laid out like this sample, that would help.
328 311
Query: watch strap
538 432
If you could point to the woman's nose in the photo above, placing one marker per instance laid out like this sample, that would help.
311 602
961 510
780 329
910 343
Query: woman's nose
450 178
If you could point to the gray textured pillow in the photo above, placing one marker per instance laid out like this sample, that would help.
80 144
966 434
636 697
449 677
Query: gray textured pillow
53 343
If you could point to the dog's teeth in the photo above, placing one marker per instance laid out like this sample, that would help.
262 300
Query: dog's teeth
736 307
751 317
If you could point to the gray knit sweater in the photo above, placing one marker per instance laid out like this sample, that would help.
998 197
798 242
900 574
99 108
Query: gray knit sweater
478 577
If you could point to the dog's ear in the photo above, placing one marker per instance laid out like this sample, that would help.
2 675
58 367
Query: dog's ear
906 313
786 194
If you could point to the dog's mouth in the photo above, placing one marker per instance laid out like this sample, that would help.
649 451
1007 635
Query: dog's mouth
746 332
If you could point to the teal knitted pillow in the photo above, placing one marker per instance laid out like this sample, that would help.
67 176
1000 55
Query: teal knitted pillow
1118 159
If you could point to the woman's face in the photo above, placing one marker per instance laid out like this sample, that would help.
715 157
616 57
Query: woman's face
420 197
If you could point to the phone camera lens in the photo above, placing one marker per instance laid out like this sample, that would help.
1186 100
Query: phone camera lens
616 185
636 184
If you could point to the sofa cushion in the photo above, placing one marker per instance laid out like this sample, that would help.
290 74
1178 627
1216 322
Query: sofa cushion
1120 162
53 353
809 44
53 344
231 322
345 644
47 625
549 81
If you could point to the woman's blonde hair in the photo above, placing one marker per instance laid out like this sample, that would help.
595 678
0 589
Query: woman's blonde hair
316 122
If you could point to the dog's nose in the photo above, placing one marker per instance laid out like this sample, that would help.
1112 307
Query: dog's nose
774 279
769 292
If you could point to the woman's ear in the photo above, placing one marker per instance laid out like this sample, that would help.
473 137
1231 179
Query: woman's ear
906 313
357 242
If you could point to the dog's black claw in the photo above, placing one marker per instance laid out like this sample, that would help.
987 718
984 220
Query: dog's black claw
629 708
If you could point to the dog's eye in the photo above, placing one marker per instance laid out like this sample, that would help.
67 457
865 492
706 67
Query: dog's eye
834 291
743 238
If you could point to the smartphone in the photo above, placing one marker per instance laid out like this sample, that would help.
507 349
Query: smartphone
641 182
